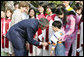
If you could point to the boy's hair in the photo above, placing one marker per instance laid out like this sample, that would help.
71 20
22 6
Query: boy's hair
57 24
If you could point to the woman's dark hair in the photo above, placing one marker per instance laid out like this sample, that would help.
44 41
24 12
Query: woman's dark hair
61 11
52 7
44 5
57 24
34 12
77 6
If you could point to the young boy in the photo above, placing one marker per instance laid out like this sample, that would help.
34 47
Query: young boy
56 42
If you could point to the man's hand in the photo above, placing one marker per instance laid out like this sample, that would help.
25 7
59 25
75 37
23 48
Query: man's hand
44 43
27 46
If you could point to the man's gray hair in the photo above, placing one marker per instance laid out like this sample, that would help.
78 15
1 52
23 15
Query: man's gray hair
43 22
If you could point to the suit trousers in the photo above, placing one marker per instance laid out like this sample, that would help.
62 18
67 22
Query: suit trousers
19 43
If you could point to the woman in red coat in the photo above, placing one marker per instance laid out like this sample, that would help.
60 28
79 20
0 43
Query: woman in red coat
50 11
8 21
41 33
3 21
41 10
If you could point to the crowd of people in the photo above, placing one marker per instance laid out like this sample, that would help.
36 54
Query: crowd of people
60 33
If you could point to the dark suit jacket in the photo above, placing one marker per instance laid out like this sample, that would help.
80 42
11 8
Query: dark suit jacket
24 29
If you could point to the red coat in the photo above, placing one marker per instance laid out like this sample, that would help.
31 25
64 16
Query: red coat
3 22
4 29
7 27
41 16
50 17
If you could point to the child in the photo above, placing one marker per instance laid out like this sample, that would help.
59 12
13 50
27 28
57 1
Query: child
50 10
78 7
3 19
41 11
8 45
56 42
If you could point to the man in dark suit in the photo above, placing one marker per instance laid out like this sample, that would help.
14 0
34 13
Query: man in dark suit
24 31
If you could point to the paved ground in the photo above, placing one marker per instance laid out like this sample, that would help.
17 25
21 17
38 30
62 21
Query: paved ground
3 54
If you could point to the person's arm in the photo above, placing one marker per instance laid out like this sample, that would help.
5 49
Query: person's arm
30 33
72 28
